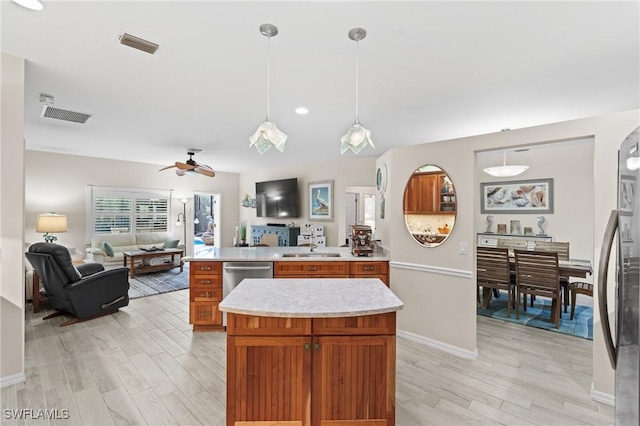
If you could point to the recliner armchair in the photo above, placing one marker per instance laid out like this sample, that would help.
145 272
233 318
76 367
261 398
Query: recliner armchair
85 292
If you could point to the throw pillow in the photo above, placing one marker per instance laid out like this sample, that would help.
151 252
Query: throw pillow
171 244
107 248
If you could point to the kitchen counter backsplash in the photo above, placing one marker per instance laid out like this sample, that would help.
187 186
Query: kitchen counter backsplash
420 223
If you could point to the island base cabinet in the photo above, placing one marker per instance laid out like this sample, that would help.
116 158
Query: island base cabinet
353 380
268 380
311 379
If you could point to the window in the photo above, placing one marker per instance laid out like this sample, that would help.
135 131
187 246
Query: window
128 210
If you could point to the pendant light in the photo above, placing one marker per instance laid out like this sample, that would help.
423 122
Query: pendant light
504 170
357 136
268 133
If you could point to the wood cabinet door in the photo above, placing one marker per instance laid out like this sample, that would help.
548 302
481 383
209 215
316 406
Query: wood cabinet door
353 379
421 194
268 380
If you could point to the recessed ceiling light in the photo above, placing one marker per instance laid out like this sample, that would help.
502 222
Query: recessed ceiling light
302 110
30 4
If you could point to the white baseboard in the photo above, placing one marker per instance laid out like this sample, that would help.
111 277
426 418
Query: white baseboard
605 398
462 353
11 380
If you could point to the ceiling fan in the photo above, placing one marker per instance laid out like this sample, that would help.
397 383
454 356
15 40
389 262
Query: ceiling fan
191 166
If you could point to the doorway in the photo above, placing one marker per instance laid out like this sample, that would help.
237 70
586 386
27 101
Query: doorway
206 220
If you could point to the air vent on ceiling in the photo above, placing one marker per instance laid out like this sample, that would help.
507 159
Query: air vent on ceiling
138 43
49 111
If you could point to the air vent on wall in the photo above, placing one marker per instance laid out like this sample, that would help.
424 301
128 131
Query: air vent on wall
49 111
138 43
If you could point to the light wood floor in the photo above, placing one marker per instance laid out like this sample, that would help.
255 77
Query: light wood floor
144 365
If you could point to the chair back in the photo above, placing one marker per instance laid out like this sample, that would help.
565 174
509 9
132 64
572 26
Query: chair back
53 264
270 240
538 271
492 266
562 248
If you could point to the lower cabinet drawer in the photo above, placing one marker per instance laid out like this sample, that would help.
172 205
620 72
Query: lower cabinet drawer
369 268
201 313
205 294
206 280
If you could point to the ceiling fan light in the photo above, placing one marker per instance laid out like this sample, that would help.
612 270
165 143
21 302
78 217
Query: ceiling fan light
356 139
30 4
506 171
267 135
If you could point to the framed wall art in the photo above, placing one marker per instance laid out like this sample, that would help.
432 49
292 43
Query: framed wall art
320 200
517 196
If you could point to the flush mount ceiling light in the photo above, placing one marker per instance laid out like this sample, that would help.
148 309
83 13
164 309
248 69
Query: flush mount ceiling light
504 170
30 4
268 133
357 136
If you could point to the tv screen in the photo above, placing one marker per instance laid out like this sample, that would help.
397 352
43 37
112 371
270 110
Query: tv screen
277 198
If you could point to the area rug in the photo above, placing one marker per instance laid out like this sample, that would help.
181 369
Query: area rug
540 314
158 282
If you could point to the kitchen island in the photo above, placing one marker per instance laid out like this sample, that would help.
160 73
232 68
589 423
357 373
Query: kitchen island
311 351
209 266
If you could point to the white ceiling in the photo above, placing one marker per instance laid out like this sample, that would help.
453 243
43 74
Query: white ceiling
428 71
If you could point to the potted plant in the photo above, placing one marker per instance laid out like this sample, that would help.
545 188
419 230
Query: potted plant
243 232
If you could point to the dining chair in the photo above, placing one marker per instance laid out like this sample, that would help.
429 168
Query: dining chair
579 287
562 248
493 273
537 274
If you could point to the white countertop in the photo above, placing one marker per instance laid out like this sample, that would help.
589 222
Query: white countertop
270 254
311 298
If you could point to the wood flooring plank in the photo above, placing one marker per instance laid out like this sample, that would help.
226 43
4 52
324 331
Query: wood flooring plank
181 412
152 409
92 408
122 409
184 381
157 379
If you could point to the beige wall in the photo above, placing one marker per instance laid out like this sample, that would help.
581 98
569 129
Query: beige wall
11 221
437 284
345 172
58 182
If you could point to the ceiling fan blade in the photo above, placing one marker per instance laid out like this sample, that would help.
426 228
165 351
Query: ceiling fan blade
165 168
180 172
184 166
204 166
203 171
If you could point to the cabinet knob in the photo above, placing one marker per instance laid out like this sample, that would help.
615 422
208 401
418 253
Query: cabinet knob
316 346
307 346
312 268
369 268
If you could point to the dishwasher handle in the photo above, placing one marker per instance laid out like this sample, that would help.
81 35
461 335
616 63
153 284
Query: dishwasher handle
247 268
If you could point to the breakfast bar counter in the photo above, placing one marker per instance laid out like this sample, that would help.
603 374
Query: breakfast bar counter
310 351
280 254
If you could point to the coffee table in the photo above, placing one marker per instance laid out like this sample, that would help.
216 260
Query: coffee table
139 255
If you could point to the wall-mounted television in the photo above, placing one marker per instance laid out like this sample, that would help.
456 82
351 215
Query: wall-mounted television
277 198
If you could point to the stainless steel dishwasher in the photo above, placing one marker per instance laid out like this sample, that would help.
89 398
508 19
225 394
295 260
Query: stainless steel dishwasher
234 272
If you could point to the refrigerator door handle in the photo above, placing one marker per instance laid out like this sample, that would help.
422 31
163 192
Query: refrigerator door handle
603 269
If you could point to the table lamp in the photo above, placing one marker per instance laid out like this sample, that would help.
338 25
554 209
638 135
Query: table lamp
50 223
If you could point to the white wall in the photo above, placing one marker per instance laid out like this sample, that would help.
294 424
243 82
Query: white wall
57 182
570 164
345 172
11 221
439 290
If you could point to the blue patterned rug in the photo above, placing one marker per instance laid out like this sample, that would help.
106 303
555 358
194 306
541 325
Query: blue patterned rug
539 316
158 282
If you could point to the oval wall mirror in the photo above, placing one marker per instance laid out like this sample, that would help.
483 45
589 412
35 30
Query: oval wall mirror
429 205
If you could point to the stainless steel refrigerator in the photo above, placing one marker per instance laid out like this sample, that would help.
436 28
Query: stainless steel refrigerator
622 340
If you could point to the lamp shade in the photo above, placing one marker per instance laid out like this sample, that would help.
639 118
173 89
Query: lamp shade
51 223
506 170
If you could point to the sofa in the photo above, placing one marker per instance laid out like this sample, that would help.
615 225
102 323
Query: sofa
125 242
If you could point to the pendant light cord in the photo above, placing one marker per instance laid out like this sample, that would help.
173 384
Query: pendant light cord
357 81
268 74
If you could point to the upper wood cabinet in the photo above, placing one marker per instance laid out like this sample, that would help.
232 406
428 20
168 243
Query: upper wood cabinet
427 193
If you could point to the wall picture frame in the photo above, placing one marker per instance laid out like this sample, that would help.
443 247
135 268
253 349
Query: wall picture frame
534 196
320 203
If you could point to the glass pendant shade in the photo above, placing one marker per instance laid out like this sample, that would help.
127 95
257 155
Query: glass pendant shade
267 135
356 139
504 170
